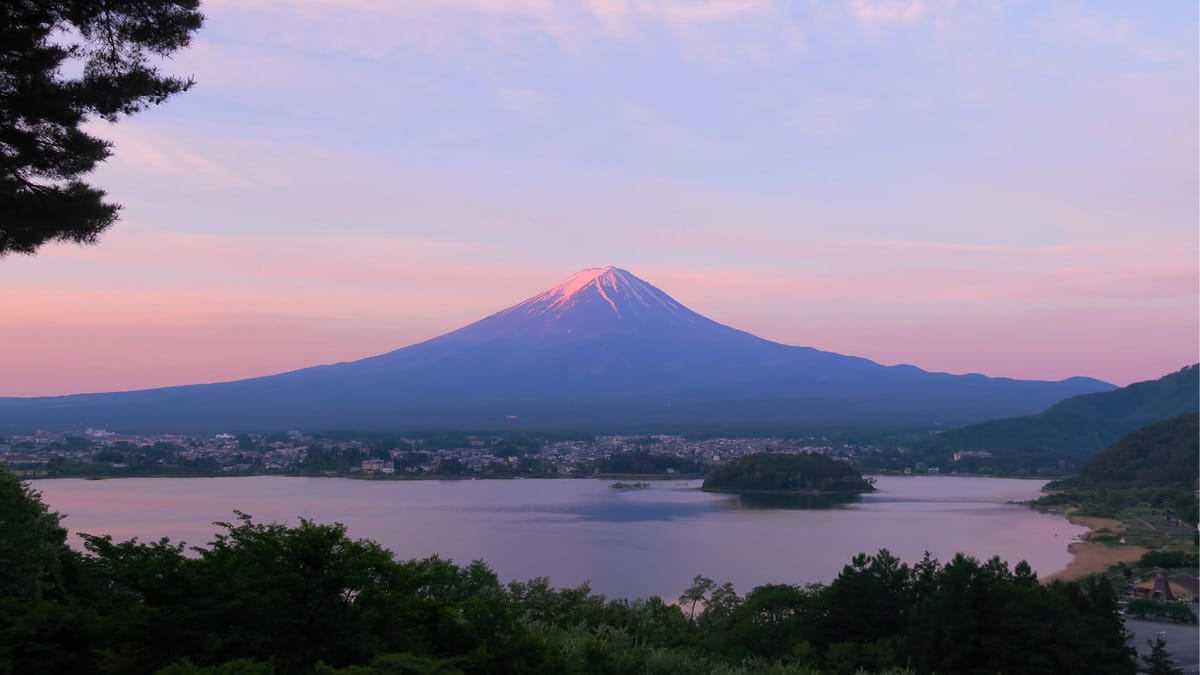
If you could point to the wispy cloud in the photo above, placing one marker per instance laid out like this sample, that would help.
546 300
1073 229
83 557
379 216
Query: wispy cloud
825 116
883 13
522 99
1078 24
381 27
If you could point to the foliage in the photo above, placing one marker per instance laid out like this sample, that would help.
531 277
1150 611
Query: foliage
1171 611
786 473
1168 559
307 598
44 150
32 543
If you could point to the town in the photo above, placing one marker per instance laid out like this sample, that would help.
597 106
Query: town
99 453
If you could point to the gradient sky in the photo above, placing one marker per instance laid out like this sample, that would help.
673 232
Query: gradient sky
998 187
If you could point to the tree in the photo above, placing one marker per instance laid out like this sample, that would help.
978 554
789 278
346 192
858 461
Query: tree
696 594
32 543
63 63
1158 662
868 601
289 595
38 632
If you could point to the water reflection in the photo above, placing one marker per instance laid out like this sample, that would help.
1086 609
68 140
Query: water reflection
627 543
797 501
652 506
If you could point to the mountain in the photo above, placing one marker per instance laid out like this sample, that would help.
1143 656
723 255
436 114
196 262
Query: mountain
1083 424
1153 468
603 350
1163 454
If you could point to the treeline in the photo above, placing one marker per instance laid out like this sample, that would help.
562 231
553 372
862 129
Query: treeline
263 598
124 459
641 462
501 443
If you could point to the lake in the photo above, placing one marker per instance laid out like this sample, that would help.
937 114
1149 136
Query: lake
626 543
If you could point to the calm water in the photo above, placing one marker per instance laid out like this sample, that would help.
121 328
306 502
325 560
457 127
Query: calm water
625 542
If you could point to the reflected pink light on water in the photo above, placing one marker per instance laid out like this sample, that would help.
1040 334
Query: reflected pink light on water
625 543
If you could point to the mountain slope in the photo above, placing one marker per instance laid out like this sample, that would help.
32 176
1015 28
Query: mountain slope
603 350
1083 424
1164 454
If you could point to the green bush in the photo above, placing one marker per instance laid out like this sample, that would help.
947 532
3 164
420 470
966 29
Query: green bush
1169 559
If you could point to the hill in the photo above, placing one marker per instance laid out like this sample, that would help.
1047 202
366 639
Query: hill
1164 454
1148 479
784 474
603 350
1084 424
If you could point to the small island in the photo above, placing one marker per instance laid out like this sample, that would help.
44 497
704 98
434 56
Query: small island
786 474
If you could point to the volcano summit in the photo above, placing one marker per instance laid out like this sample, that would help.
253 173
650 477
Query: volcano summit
603 350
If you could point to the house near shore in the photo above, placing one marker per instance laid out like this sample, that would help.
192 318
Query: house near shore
1169 587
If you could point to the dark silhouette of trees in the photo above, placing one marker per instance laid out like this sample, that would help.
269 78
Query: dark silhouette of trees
1158 661
32 543
62 63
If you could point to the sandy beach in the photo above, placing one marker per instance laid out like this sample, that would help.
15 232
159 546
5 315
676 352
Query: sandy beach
1093 557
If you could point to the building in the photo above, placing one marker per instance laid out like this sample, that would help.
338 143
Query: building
1169 587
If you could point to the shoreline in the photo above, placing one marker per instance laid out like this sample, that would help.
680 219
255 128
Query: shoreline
372 477
1090 557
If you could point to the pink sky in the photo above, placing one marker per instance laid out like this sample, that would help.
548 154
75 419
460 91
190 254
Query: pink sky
231 307
966 187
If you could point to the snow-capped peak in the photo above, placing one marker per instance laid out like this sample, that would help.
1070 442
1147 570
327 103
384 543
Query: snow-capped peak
615 287
597 278
590 303
600 299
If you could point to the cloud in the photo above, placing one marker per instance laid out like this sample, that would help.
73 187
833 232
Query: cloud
189 161
885 13
380 27
522 99
793 38
828 116
1081 26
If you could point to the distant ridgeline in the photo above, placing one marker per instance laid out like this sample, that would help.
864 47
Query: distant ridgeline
773 473
1065 433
